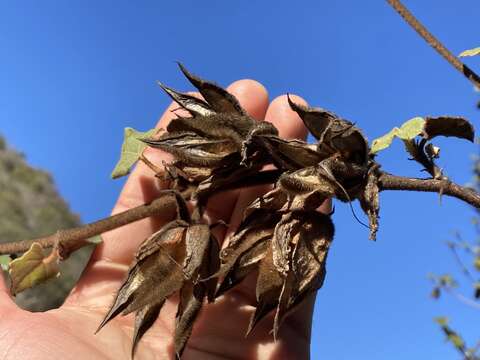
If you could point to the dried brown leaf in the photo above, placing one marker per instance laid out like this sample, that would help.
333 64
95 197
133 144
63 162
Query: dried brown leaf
448 126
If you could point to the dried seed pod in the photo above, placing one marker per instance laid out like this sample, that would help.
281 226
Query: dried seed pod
334 134
290 257
173 259
219 146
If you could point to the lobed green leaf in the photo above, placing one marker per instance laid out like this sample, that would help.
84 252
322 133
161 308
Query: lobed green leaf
407 131
132 148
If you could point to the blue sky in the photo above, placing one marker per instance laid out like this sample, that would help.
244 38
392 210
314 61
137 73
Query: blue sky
74 74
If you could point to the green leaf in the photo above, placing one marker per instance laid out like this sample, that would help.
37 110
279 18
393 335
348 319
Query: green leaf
470 52
132 148
477 263
428 128
409 130
5 262
441 320
32 268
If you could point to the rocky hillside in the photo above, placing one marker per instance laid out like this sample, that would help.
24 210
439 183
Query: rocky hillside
30 206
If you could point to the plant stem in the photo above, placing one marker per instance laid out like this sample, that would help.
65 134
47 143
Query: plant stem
434 42
442 186
67 241
72 239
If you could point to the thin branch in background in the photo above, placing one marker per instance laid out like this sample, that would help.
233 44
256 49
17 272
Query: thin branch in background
462 298
435 43
453 247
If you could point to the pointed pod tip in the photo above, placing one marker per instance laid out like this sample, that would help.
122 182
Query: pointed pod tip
294 106
103 323
100 327
184 70
290 101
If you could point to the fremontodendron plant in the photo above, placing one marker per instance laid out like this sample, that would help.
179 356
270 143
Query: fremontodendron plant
282 237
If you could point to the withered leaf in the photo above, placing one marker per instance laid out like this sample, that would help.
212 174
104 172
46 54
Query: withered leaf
448 126
428 128
32 268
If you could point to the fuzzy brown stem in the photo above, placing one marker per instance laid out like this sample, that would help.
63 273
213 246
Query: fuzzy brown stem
72 239
441 186
434 42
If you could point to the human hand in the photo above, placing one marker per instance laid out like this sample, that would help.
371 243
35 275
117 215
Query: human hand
218 333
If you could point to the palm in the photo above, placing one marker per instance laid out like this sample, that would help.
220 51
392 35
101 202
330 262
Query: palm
68 332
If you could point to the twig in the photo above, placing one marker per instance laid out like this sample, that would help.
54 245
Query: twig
465 271
446 187
434 42
462 298
70 240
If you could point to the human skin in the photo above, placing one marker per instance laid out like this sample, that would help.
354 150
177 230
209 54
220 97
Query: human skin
219 331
